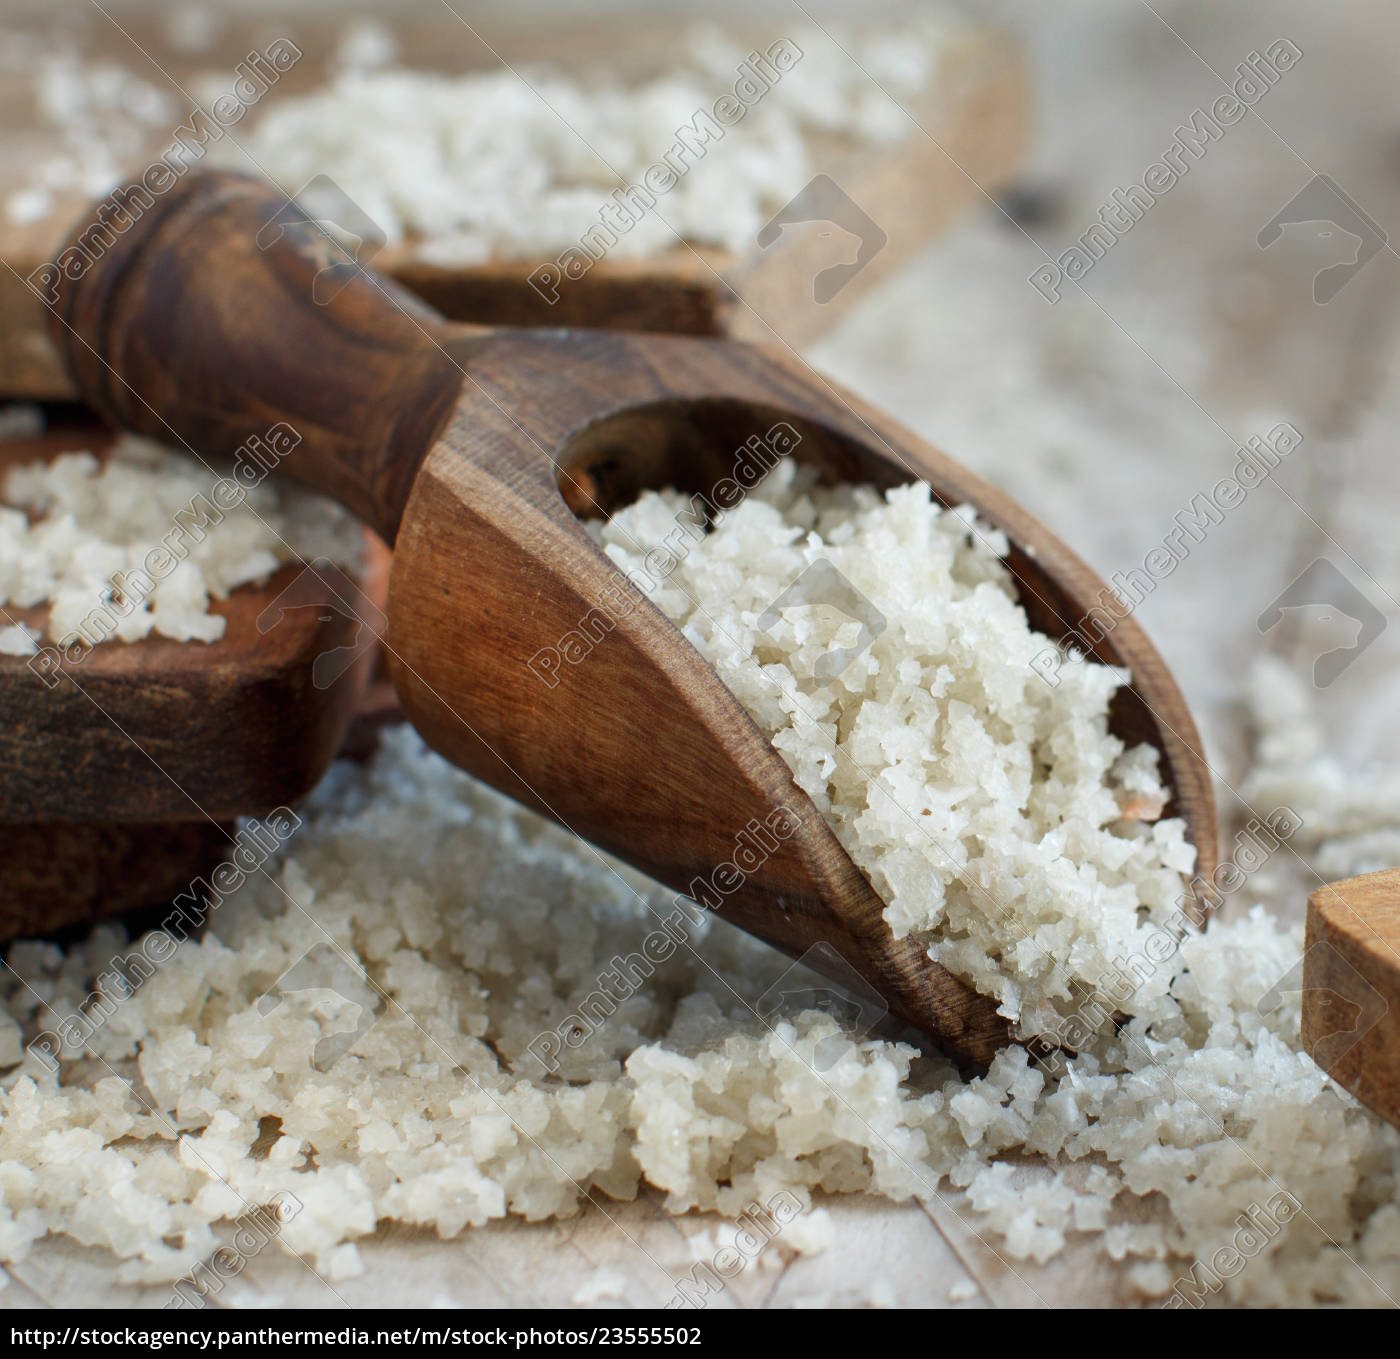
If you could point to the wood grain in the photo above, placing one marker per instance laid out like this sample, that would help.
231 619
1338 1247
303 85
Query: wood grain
66 876
1351 987
121 783
640 749
359 438
162 730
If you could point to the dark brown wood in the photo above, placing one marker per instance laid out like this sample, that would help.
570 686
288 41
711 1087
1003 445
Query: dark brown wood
232 728
639 748
65 876
166 731
1351 987
171 381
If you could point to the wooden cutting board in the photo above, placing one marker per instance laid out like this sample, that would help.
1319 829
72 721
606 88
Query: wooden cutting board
969 141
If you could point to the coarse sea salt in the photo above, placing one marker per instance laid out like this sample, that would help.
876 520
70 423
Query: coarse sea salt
71 527
484 926
17 639
1001 822
98 116
501 163
512 163
481 927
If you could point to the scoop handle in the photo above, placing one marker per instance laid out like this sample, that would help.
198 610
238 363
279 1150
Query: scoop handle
218 316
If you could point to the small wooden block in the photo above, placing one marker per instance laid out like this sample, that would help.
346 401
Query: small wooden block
118 791
1351 987
163 731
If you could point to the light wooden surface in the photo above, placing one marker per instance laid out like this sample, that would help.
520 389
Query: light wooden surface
971 135
1103 415
629 1255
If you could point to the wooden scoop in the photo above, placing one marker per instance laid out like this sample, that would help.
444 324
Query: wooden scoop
466 447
